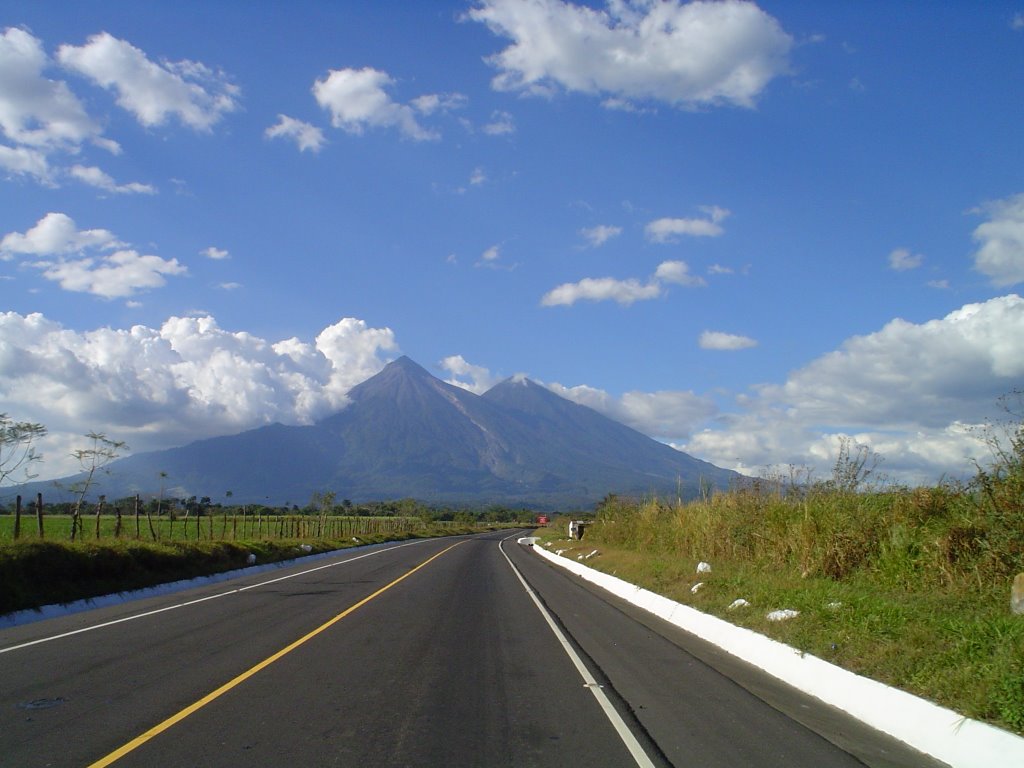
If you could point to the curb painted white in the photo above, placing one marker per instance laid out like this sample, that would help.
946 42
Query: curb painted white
942 733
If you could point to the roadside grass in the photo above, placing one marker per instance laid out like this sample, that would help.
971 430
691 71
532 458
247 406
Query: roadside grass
910 587
34 572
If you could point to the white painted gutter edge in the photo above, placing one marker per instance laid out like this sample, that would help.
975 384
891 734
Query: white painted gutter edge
942 733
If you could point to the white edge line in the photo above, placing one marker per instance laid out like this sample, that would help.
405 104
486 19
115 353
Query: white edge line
630 741
133 617
937 731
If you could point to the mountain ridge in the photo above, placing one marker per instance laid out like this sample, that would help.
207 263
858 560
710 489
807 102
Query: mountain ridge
406 433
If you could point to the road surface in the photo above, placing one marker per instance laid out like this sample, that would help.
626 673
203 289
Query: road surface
465 651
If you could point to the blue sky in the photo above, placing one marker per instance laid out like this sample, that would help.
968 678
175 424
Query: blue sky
747 230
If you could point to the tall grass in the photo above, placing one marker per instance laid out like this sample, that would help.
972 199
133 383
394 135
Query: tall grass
910 586
937 536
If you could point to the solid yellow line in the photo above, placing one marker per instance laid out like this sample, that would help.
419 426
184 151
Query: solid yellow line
174 719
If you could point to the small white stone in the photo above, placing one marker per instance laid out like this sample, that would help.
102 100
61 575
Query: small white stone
696 587
782 615
738 603
703 567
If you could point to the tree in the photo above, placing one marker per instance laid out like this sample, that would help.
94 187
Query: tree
322 504
17 451
93 459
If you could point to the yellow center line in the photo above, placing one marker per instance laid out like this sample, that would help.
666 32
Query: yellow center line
156 730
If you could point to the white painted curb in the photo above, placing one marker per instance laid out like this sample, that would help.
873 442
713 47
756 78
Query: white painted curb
929 728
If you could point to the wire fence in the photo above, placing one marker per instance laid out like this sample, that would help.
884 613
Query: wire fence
235 524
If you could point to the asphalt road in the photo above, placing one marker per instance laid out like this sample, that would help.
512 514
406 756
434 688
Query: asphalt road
453 652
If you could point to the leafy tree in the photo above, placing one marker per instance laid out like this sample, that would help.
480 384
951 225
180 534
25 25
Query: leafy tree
17 452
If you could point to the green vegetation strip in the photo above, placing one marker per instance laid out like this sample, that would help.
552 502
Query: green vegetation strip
910 587
35 573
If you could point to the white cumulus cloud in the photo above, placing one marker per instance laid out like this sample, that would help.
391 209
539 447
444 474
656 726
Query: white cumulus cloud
600 234
24 161
668 230
55 234
901 260
725 341
677 272
475 378
501 124
358 98
430 103
683 54
217 254
96 177
1001 255
188 379
34 110
119 274
305 135
624 292
916 393
188 90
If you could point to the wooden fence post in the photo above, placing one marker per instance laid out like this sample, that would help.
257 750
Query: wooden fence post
39 513
99 511
17 517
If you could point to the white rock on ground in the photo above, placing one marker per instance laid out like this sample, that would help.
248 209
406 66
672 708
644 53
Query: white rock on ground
782 615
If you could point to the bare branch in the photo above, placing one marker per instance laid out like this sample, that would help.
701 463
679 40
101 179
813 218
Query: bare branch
16 449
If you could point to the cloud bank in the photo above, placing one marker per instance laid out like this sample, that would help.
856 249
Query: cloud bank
188 379
916 393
